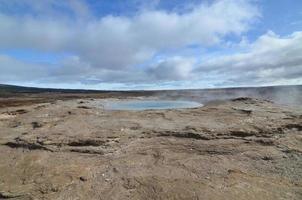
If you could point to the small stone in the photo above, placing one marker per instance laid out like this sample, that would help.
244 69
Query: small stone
82 178
36 125
267 158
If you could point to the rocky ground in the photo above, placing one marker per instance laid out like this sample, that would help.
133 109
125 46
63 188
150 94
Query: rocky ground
74 149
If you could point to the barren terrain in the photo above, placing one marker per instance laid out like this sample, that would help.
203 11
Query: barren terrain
243 148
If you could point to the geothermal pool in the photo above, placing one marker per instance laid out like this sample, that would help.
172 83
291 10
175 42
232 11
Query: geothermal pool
150 105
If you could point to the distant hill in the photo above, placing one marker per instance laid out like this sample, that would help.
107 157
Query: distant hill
23 89
20 89
282 94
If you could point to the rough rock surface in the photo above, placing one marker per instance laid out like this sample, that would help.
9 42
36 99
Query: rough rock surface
240 149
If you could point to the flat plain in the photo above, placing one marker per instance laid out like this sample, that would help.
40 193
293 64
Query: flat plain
243 144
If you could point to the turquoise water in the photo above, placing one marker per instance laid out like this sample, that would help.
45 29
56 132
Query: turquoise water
149 105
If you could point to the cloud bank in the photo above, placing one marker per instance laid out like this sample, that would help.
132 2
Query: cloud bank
125 48
271 59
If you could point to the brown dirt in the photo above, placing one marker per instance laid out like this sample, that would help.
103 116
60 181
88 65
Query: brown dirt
74 149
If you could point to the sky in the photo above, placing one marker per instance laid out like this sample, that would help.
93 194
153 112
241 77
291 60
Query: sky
147 45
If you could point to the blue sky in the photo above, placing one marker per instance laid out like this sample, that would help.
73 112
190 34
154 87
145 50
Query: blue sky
157 44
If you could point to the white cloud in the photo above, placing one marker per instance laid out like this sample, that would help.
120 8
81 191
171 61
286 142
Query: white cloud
271 59
173 69
12 70
111 47
121 49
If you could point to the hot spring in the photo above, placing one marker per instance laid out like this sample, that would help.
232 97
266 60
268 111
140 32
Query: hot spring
150 104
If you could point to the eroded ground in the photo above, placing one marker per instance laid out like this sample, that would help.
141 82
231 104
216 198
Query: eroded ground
239 149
